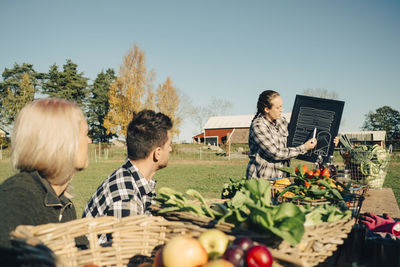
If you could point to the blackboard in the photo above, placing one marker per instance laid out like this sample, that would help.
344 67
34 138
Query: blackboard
313 112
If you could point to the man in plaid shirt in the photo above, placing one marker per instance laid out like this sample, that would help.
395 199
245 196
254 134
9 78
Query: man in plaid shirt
130 189
268 139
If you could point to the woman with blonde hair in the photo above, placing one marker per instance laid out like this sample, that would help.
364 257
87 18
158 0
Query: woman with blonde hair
49 144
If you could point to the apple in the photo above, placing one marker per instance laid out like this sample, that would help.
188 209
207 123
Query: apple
235 255
259 255
219 263
215 242
158 261
184 251
244 242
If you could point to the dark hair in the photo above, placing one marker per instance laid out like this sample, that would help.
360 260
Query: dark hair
146 131
264 101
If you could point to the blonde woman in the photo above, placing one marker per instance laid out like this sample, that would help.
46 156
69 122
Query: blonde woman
49 144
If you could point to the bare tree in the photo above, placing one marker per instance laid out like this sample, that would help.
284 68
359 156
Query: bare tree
320 92
217 107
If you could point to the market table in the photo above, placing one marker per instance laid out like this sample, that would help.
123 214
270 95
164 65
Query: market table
379 201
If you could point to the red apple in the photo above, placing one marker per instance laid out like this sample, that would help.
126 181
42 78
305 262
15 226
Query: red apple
244 242
235 255
259 256
184 251
158 261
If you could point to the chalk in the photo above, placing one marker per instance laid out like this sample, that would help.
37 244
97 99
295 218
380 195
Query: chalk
314 134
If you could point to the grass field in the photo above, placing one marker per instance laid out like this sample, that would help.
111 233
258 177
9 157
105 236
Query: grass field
208 177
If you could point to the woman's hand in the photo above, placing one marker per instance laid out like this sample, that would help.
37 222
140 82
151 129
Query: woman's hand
310 144
336 141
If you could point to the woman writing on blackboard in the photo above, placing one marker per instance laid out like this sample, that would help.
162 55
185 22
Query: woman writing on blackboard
268 139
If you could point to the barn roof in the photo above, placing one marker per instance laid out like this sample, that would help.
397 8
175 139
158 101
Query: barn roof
366 135
234 121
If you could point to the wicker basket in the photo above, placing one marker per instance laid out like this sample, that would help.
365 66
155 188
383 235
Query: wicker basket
134 239
373 180
318 243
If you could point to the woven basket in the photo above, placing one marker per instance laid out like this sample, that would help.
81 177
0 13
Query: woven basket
134 239
318 243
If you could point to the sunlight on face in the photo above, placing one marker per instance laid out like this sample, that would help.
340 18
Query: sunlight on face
84 141
275 112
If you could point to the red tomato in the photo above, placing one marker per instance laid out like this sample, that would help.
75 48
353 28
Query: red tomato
259 255
317 172
325 173
310 174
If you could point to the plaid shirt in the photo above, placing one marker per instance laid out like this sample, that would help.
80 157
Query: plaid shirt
125 192
268 148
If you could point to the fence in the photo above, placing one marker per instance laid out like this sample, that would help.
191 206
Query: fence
179 152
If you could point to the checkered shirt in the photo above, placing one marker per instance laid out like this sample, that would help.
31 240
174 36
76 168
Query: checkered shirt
268 148
125 192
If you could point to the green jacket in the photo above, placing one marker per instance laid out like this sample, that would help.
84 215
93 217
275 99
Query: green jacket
27 198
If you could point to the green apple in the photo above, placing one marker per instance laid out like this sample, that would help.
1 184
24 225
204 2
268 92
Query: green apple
215 242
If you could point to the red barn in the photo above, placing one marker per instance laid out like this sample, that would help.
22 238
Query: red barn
218 129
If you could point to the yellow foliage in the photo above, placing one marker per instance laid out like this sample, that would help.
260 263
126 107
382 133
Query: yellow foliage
126 93
168 103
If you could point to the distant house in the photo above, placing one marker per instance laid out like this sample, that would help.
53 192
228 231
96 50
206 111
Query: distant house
219 129
367 137
3 133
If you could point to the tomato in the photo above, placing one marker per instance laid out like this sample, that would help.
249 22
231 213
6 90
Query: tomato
310 174
305 168
307 184
325 173
317 172
259 255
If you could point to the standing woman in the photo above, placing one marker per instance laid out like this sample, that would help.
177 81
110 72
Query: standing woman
49 144
268 139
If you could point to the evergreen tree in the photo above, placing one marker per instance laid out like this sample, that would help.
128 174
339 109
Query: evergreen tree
98 106
67 84
17 89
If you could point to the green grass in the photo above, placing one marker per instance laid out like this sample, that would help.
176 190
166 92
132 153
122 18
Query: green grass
208 177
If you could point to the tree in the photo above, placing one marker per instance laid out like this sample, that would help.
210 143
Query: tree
321 93
12 79
127 91
384 119
17 98
150 96
217 107
168 103
98 106
68 84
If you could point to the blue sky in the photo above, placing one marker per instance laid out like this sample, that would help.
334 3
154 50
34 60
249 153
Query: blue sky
230 50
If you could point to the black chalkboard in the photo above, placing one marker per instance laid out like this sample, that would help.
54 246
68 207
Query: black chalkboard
313 112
